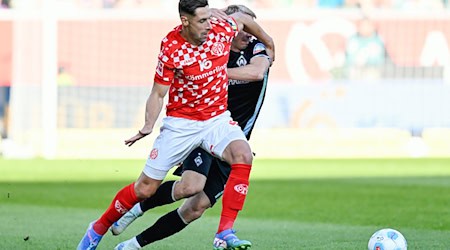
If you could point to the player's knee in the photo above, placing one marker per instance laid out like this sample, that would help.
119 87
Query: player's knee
144 192
145 187
247 157
197 212
191 190
185 190
192 213
243 157
238 152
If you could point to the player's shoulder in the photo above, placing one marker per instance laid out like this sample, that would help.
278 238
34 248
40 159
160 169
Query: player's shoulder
173 37
171 42
255 47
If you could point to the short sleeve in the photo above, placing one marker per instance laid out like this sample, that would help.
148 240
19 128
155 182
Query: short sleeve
233 24
227 29
165 69
259 49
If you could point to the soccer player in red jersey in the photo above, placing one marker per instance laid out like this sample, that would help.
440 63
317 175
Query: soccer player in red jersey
204 176
192 69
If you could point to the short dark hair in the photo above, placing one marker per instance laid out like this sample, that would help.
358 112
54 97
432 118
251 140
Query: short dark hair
189 6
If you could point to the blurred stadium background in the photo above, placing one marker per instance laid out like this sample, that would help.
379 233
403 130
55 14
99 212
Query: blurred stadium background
354 78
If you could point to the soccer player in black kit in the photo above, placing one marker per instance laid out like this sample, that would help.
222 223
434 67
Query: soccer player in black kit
248 66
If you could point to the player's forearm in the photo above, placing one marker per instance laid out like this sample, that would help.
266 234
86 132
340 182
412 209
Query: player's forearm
249 25
249 73
153 108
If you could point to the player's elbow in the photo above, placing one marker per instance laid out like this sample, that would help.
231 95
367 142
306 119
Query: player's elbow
270 43
258 75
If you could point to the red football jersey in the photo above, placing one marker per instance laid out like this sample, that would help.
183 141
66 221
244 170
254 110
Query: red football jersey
197 74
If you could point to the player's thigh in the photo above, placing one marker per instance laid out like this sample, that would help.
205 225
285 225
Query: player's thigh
190 184
178 137
195 169
222 132
199 161
217 178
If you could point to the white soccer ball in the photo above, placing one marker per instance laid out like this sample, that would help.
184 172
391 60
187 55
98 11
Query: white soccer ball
387 239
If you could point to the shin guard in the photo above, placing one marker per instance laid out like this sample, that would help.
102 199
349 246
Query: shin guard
234 194
125 199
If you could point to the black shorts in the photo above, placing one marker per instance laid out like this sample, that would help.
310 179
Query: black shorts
215 170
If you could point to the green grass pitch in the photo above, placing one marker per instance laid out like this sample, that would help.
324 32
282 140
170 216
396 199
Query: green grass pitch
292 204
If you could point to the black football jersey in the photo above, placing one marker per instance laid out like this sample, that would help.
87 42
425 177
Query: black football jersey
245 98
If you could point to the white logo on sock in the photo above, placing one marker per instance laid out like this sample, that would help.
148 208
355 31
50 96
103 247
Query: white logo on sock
241 188
119 207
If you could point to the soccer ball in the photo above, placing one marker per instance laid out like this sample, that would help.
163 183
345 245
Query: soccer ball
387 239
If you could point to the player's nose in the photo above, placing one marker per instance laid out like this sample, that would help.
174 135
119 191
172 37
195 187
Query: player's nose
208 25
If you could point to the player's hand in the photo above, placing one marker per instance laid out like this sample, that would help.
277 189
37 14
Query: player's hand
136 138
218 14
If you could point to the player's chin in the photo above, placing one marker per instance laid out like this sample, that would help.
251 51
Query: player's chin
202 39
243 46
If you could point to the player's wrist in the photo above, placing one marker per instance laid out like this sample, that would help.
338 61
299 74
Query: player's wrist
143 134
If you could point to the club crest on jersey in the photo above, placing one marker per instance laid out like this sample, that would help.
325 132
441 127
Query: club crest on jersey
217 49
198 160
154 153
241 61
258 48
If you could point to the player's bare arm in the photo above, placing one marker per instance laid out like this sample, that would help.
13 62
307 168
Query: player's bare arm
218 13
245 22
252 72
153 108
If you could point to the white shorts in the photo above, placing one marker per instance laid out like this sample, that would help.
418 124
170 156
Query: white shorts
179 136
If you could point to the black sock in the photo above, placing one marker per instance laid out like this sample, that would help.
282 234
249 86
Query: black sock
167 225
162 196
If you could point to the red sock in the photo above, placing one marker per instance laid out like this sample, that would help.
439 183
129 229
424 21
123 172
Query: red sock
124 200
234 195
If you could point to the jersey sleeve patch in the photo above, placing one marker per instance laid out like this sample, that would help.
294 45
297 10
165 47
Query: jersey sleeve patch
259 47
164 71
160 68
233 24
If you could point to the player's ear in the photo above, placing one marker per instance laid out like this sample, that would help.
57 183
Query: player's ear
184 20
